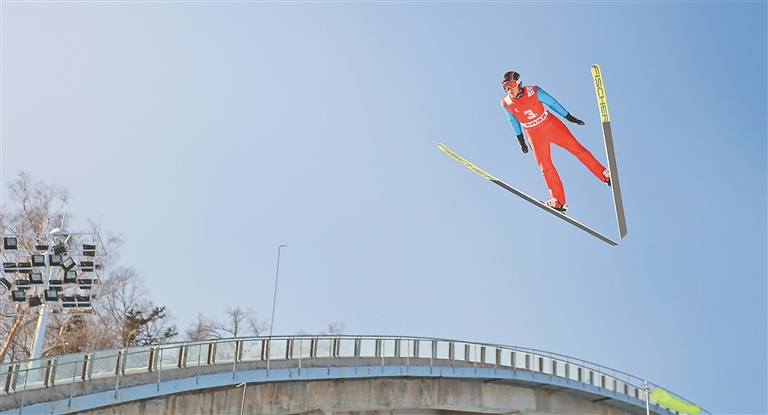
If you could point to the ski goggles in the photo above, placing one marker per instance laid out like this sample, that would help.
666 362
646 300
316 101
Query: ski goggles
510 84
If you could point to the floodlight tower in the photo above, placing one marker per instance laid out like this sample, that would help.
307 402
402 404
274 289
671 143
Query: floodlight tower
59 237
58 272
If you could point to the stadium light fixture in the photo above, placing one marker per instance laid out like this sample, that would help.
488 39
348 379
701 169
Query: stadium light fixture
68 264
36 278
51 294
83 300
10 243
86 266
18 295
70 277
10 267
38 260
68 301
89 250
60 249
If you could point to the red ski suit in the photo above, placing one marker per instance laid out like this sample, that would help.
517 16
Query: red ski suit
542 128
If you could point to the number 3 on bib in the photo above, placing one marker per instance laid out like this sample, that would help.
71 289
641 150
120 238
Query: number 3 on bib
530 114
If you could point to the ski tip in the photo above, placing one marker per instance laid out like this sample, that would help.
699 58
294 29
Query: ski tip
466 163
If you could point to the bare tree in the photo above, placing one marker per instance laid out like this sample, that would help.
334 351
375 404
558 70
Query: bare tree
68 334
256 325
17 334
41 207
125 317
202 329
334 328
122 291
237 322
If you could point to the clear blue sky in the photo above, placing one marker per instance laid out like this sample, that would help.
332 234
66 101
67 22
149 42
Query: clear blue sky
209 133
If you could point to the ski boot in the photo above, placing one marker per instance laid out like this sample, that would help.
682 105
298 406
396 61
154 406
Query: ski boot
607 177
554 204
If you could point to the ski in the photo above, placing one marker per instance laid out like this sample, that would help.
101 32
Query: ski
602 104
524 196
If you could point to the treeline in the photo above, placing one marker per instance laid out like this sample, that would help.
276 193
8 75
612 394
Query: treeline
122 315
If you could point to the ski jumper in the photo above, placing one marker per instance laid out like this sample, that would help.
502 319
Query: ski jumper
542 128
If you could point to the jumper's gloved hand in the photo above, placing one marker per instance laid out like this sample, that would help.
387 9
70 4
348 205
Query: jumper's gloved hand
573 119
523 146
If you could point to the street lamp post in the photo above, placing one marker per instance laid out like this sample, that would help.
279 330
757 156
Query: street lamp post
274 301
42 323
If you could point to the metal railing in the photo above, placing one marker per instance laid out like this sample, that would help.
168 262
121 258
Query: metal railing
295 351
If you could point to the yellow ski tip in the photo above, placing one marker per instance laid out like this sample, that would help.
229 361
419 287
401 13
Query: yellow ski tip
466 163
602 103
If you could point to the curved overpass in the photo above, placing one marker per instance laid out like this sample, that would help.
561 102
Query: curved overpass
321 374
